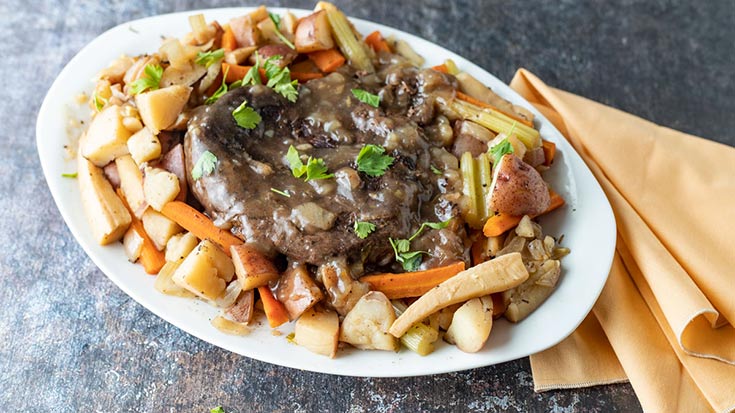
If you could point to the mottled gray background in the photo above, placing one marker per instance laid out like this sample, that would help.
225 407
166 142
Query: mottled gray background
71 341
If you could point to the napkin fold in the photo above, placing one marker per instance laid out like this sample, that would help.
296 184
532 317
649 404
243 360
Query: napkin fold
664 319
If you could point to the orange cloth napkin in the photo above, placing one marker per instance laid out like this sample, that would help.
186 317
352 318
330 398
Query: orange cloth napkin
664 319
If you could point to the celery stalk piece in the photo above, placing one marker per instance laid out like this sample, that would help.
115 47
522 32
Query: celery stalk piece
420 338
348 43
471 190
486 179
497 122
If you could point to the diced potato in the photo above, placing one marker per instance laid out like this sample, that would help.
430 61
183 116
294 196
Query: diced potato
108 218
525 228
252 268
239 55
160 187
106 138
268 32
205 271
309 217
144 146
165 284
471 324
133 244
245 31
298 291
116 70
318 331
288 23
445 316
131 183
159 228
366 325
180 245
160 108
313 33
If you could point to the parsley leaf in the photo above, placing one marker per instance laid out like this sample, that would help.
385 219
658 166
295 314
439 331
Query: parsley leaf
315 168
245 116
217 409
280 79
205 165
372 161
69 175
150 80
277 22
221 90
363 229
282 193
207 59
99 102
432 225
252 77
366 97
501 149
436 170
410 260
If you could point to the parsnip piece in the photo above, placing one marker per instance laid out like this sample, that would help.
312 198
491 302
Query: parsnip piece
180 245
491 276
318 331
131 183
159 228
165 285
366 325
144 146
106 138
108 218
160 108
160 187
525 298
471 324
252 268
474 88
205 271
133 244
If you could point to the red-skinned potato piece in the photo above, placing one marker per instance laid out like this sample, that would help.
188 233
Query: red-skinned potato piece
287 54
245 31
173 162
517 188
313 33
298 291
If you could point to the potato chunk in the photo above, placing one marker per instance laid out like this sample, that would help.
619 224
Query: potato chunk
366 325
106 138
179 246
144 146
298 291
313 33
253 269
318 331
160 108
159 228
108 218
205 271
160 187
471 324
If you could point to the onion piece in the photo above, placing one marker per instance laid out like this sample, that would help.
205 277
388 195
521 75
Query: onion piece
230 327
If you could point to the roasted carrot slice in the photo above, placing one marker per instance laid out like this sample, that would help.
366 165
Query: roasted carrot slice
498 224
376 42
274 309
327 60
150 257
305 76
549 151
441 68
234 72
199 225
412 284
229 43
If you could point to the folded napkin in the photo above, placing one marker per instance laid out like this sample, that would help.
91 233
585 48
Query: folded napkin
664 319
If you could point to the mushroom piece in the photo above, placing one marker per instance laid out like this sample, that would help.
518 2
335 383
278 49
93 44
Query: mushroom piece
517 188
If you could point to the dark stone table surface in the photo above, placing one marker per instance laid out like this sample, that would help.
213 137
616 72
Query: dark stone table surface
70 341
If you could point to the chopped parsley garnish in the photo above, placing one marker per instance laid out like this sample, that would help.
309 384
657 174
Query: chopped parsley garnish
501 149
99 102
279 79
150 80
363 229
205 165
366 97
207 59
252 77
315 168
245 116
282 193
277 22
217 409
411 260
436 170
371 160
221 90
69 175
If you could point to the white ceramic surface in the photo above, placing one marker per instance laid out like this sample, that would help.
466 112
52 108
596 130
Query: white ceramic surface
586 222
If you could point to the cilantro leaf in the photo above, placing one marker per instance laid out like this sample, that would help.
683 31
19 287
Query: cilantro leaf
372 161
207 59
366 97
245 116
277 22
205 165
150 80
436 170
217 409
282 193
501 149
315 168
363 229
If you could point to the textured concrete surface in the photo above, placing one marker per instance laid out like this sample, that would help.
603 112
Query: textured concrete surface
71 341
